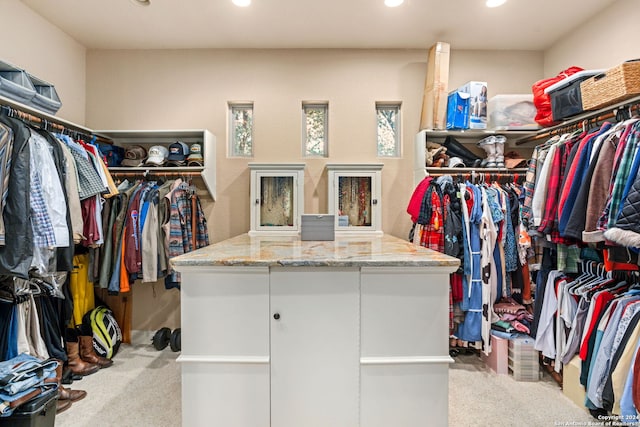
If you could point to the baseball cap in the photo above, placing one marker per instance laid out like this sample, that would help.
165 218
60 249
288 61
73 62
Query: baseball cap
456 162
134 156
178 151
157 155
195 155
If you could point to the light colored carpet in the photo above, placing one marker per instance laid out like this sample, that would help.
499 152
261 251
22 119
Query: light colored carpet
479 397
142 389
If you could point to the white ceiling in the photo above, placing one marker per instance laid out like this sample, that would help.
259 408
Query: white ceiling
466 24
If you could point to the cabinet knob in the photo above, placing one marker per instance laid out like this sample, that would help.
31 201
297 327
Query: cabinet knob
257 201
276 316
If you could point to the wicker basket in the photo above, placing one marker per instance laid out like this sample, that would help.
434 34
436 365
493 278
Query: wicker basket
617 84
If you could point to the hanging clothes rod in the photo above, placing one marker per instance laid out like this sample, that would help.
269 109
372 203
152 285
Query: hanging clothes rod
147 172
474 176
47 121
584 120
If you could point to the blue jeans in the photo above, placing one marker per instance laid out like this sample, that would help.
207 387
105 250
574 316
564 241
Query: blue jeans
20 376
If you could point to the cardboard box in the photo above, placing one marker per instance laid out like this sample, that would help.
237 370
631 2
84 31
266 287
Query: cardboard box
477 103
458 110
434 101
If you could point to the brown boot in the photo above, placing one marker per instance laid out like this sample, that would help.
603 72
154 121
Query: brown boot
76 364
62 405
65 396
88 354
71 395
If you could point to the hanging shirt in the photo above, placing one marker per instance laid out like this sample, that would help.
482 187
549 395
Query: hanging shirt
571 169
471 328
540 194
150 239
611 339
73 197
44 168
545 336
489 235
89 182
620 161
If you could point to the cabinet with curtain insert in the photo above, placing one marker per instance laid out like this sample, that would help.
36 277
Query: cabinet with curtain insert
276 198
204 169
355 197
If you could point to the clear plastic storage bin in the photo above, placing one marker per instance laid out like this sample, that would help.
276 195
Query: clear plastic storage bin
15 83
523 360
46 97
512 112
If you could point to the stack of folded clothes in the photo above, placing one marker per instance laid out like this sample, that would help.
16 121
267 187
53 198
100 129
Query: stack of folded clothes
23 378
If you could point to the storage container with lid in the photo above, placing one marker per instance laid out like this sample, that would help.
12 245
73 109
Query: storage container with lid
15 83
46 97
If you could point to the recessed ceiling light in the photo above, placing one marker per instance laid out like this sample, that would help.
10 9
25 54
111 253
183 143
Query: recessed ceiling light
495 3
393 3
241 3
142 2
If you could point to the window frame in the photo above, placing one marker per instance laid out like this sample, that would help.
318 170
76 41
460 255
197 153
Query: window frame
324 105
232 143
390 105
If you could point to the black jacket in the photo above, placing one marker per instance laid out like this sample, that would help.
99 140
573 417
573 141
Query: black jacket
16 255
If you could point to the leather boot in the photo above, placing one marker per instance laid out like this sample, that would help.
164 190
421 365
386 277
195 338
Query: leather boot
76 364
65 396
500 141
88 354
62 405
488 144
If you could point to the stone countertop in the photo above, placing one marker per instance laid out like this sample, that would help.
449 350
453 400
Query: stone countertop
290 251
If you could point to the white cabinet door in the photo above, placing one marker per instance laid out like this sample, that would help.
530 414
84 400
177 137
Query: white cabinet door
225 346
276 198
314 347
355 197
405 360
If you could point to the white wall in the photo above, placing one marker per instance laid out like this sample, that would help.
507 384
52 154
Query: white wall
604 41
507 71
190 89
34 44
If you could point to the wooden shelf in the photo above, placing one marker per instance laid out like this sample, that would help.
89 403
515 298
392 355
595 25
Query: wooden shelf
479 133
48 117
468 137
148 138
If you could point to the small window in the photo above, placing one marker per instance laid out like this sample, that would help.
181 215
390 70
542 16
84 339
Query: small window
388 119
316 129
241 129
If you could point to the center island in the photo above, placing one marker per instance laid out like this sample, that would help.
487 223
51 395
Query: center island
288 333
